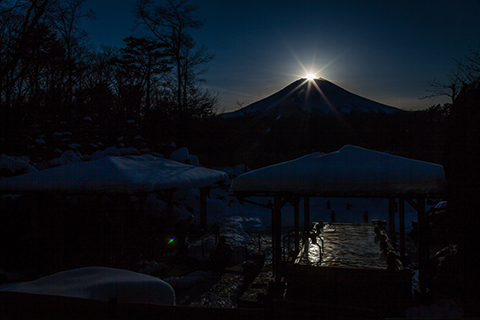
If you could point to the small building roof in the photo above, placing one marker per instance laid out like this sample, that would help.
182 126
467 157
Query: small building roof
126 175
349 172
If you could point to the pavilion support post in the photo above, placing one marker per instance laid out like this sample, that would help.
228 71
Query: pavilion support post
101 225
170 209
123 206
391 219
36 218
401 213
142 198
296 207
306 213
141 214
203 207
422 243
277 237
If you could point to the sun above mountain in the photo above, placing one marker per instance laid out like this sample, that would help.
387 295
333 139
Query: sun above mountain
311 76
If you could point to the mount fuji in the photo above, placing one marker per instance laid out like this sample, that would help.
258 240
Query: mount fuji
318 96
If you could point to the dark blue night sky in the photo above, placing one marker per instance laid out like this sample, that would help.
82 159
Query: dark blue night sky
387 51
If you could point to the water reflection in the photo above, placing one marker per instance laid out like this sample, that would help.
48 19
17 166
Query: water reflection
346 245
314 253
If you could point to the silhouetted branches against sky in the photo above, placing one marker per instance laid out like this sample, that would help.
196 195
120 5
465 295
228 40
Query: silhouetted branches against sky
466 72
170 24
19 37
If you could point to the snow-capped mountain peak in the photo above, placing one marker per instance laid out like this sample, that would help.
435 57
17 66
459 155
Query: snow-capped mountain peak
315 96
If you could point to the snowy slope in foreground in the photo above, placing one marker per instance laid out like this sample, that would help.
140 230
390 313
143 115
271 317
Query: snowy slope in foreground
100 283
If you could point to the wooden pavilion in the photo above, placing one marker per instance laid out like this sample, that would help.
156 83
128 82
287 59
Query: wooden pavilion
350 172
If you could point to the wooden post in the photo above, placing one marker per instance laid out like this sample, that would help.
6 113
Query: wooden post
170 209
422 245
102 228
123 206
36 222
391 215
306 213
140 214
273 236
401 213
419 206
277 237
296 205
203 207
391 219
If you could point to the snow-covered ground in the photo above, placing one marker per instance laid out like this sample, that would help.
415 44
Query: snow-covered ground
100 283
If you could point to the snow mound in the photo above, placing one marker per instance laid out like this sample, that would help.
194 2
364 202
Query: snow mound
112 151
143 157
100 283
235 236
66 157
190 280
234 171
97 155
129 151
15 165
193 160
442 309
180 155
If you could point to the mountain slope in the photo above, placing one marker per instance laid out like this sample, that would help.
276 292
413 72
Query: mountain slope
315 96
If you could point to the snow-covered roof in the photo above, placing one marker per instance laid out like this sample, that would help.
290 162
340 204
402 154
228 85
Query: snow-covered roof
133 174
100 283
350 171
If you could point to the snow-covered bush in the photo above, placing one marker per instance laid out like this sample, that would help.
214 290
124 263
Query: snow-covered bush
66 157
180 155
12 166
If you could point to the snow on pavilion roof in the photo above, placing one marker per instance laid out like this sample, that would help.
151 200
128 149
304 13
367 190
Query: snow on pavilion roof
349 172
128 175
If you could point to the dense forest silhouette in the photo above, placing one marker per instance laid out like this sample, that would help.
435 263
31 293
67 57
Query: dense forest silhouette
52 79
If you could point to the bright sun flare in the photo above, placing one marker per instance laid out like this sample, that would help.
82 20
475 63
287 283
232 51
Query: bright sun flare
310 76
